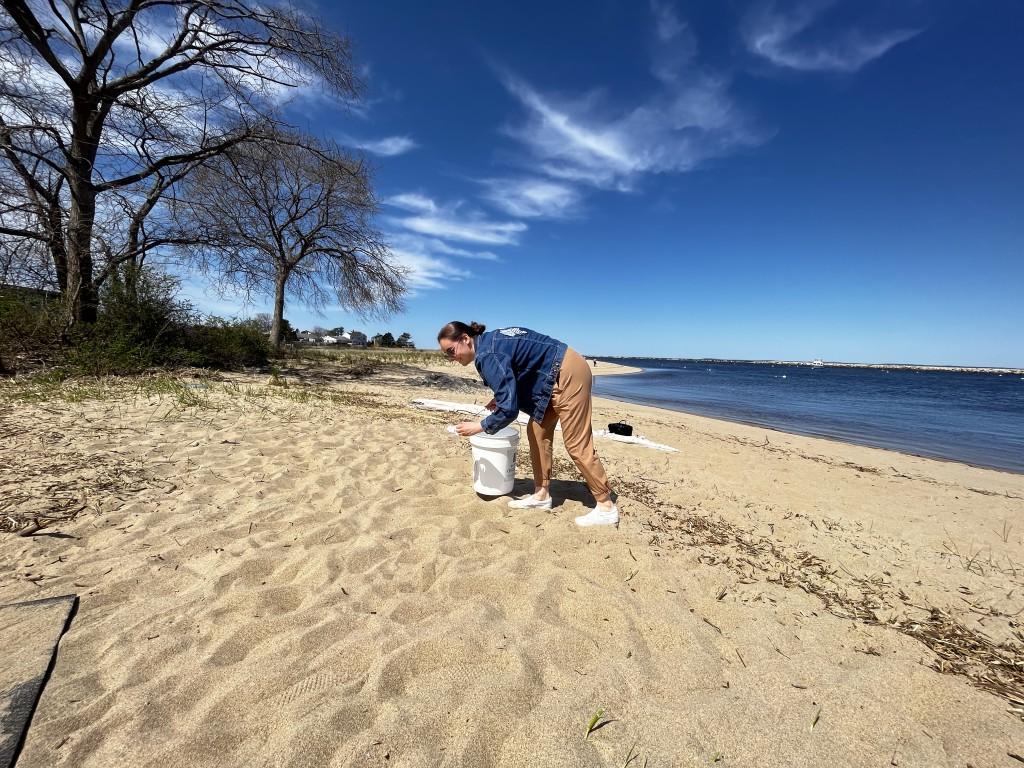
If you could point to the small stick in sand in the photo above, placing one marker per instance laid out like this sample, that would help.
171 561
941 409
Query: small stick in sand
713 626
777 648
31 528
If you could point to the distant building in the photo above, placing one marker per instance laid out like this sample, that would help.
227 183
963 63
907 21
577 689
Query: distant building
20 291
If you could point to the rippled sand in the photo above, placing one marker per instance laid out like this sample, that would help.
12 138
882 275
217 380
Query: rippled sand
298 577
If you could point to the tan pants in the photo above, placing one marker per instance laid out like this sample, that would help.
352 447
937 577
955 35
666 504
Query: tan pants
570 404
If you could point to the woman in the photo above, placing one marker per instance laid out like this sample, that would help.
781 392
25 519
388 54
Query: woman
531 372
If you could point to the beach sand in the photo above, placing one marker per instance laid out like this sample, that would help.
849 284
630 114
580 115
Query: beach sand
302 575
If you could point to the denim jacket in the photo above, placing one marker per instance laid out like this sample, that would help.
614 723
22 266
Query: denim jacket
521 367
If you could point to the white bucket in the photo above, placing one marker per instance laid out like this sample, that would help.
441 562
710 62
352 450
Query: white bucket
494 461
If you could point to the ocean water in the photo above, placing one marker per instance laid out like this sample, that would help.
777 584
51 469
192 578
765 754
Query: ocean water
977 418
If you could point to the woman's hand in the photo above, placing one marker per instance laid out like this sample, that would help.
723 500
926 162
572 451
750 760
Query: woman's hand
468 428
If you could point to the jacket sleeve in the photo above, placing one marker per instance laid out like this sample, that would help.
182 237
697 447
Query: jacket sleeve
497 374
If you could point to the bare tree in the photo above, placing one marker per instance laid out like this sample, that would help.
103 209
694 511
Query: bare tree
282 219
106 105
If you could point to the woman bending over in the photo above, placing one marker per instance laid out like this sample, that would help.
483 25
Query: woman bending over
542 376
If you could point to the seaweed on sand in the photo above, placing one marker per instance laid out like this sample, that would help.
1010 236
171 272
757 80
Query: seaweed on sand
959 650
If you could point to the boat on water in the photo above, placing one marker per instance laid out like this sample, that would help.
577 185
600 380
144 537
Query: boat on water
817 363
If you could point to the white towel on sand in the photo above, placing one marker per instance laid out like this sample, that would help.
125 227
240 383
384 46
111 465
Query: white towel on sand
635 440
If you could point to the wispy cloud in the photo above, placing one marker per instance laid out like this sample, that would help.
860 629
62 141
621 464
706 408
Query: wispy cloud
411 241
386 147
690 119
426 271
452 222
413 201
687 117
532 197
419 241
668 25
785 39
675 46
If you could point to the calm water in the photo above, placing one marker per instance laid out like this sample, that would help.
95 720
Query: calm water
976 418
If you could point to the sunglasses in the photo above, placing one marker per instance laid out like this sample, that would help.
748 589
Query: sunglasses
449 352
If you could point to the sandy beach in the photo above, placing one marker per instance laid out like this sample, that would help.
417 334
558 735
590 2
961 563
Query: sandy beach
294 570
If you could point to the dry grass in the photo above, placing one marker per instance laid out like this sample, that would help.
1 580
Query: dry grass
45 480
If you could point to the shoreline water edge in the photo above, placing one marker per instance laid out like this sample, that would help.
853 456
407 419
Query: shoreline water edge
975 416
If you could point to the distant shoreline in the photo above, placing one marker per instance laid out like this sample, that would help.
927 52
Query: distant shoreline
829 364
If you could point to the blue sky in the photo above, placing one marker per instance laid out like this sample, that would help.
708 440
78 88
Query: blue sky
788 180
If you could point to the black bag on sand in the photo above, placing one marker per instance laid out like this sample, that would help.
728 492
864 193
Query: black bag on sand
621 428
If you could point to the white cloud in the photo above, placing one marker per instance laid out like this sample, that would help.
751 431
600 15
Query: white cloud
419 241
410 241
427 271
781 38
428 261
532 197
688 116
691 118
667 23
477 231
412 201
452 223
387 147
675 46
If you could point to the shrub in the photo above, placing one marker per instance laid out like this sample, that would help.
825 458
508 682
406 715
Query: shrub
31 323
141 324
138 326
220 343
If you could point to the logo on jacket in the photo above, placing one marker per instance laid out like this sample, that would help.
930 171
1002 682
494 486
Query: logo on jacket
512 331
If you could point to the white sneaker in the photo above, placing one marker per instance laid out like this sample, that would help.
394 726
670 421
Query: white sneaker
529 502
598 516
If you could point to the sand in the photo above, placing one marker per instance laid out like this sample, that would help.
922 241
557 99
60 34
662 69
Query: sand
302 575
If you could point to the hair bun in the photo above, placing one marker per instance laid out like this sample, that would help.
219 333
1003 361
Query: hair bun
477 328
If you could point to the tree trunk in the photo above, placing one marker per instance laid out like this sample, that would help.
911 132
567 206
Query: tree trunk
81 295
55 243
277 321
81 292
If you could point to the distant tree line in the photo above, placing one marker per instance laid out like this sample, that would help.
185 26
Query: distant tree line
387 340
318 332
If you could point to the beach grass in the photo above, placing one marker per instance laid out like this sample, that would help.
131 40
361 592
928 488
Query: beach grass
347 356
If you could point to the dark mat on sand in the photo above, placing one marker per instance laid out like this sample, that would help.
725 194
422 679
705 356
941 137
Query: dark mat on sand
29 634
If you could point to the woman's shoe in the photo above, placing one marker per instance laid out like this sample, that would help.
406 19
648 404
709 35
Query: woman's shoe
598 516
529 502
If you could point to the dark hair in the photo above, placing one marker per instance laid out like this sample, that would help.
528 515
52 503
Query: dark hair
455 329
